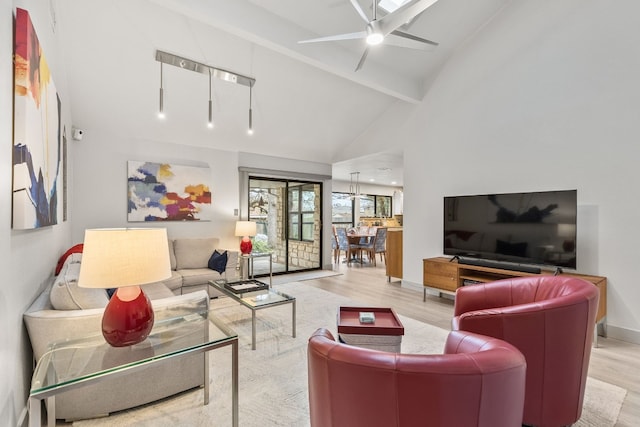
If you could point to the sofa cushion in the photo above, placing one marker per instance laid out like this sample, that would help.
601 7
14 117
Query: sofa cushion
198 276
193 253
218 261
156 291
174 282
67 295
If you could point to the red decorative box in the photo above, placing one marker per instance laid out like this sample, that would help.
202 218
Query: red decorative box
384 334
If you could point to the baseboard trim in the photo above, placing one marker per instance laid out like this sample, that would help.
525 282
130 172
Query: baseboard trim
430 291
411 285
623 334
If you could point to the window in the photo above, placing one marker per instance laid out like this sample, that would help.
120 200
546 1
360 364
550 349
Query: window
341 210
375 206
367 206
383 206
302 201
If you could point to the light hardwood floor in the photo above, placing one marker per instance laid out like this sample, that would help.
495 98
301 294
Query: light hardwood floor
613 361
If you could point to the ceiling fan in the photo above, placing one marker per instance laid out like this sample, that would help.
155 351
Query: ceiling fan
385 30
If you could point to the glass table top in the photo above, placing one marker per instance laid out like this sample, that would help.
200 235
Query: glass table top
255 299
74 361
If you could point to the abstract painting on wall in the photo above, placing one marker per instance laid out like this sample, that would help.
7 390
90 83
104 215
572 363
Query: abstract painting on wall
37 138
165 192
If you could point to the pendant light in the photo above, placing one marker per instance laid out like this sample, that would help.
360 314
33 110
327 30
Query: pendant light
210 123
161 109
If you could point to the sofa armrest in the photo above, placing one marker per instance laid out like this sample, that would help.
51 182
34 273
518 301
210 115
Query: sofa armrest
231 272
48 326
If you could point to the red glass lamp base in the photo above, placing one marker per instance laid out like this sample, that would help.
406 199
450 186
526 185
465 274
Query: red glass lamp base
128 318
246 246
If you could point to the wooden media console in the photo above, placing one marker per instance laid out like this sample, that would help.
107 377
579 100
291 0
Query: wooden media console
444 275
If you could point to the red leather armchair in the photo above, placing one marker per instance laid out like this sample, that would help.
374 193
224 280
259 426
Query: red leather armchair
550 319
479 381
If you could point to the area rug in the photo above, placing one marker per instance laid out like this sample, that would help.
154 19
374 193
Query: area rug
273 378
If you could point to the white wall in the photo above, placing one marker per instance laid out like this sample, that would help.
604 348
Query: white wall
100 164
28 257
544 97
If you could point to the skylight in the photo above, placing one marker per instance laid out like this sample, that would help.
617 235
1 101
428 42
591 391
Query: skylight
391 5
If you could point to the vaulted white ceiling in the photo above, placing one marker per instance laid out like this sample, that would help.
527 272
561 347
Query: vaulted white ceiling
308 102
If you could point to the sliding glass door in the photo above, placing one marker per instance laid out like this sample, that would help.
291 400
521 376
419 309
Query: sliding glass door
289 220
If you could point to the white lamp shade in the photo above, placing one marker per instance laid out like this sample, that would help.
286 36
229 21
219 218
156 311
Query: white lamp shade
245 228
113 258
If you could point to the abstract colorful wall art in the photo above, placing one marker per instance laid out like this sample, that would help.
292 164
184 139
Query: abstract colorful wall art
164 192
37 139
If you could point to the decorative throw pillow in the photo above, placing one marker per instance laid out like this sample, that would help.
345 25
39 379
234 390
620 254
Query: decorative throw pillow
218 261
67 295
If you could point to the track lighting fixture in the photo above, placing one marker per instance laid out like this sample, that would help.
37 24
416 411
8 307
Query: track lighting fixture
188 64
250 130
210 123
161 109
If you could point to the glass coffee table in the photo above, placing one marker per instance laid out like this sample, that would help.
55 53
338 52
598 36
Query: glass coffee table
71 364
256 295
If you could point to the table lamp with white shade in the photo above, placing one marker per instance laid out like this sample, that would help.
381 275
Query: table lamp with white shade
125 258
245 229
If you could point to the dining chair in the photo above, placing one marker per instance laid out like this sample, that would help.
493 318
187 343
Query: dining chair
380 245
344 245
334 247
377 246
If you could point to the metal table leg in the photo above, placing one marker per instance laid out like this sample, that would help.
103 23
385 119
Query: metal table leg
253 329
293 319
234 383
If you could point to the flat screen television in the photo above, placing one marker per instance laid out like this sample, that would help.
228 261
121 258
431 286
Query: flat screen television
533 228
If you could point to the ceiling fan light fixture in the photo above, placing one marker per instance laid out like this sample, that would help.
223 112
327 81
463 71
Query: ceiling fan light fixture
375 39
377 30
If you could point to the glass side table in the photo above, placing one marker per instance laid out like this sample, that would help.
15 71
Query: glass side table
69 364
247 262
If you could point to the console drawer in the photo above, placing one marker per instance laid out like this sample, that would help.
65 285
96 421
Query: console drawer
440 274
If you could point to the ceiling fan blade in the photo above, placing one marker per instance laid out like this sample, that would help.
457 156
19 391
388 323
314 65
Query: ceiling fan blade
398 38
393 40
401 16
364 57
358 9
337 37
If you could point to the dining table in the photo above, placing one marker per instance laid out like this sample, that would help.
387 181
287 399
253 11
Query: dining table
356 239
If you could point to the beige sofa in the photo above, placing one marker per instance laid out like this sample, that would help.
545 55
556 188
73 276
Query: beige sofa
64 311
189 270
